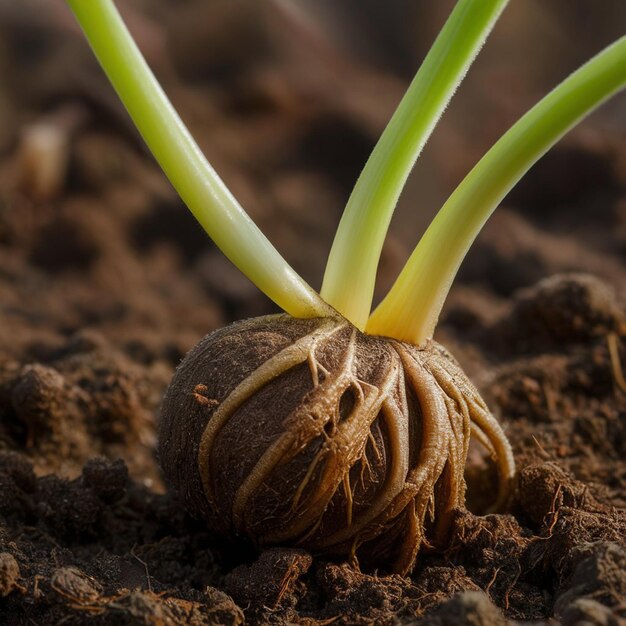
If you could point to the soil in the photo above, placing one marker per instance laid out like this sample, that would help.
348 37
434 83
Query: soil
106 282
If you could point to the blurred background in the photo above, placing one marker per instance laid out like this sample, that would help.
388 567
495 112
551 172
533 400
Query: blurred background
287 98
106 280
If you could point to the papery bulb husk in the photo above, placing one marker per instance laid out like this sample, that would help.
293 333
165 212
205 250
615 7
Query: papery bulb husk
313 434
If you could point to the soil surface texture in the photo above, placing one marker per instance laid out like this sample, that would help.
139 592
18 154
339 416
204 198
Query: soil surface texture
106 282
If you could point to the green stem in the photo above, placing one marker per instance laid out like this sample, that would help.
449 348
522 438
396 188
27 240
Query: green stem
199 186
353 261
411 309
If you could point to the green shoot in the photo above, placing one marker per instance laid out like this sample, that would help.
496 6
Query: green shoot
192 176
351 270
411 309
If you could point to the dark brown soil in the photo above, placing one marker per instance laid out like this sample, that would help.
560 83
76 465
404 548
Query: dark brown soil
105 283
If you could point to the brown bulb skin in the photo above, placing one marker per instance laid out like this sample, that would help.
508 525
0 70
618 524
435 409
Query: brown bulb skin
312 434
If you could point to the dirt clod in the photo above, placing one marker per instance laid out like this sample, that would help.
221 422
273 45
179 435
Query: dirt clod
544 488
9 574
470 607
585 612
107 480
558 311
271 581
599 575
75 586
